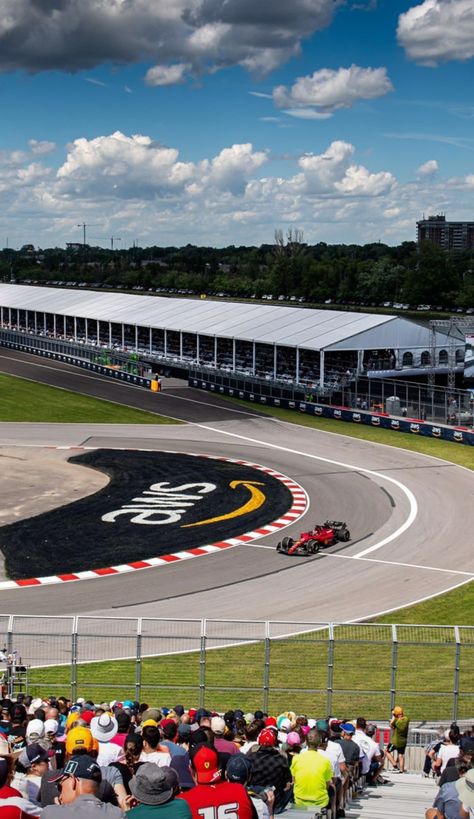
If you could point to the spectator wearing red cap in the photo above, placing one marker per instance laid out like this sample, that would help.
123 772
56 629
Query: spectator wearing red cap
212 795
270 768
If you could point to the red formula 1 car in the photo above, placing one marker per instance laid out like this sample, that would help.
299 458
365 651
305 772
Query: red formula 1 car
309 543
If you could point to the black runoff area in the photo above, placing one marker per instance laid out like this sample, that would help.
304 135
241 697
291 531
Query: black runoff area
75 537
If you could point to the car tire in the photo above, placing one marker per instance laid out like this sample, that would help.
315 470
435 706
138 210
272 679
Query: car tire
344 535
279 546
312 547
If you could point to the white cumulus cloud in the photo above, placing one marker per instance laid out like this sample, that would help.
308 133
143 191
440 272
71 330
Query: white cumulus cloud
319 94
137 188
230 169
437 31
41 147
123 166
167 74
428 168
335 172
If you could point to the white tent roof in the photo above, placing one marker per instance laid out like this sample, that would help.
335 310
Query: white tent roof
271 324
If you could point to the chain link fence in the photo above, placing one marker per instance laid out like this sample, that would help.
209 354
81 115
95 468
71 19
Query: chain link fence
323 668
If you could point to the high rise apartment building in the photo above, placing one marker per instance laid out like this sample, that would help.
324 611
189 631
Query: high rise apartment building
447 235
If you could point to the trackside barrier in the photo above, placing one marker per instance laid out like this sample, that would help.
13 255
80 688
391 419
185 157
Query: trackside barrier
412 426
318 668
84 363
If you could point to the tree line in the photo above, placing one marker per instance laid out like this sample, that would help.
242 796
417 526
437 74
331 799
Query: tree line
368 274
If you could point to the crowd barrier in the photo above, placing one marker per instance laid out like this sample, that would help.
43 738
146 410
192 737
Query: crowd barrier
84 363
412 426
312 667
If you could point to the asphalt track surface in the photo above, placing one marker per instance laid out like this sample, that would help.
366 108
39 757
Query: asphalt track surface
410 516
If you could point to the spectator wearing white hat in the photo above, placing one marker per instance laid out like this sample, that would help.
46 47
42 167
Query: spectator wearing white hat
34 731
103 729
34 705
221 744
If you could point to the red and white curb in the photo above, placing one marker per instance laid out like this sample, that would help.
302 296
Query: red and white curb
299 507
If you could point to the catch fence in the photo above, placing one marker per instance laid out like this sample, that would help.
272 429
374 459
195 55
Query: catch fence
323 668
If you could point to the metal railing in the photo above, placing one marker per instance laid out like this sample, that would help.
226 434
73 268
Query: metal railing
325 668
416 400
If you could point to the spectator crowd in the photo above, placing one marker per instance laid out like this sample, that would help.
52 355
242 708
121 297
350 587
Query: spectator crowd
85 760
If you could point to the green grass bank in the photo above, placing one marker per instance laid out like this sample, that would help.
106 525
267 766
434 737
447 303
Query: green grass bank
28 401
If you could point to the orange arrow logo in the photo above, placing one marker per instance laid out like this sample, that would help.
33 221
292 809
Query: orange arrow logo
257 499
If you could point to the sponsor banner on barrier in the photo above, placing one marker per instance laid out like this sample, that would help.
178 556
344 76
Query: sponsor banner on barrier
381 420
85 364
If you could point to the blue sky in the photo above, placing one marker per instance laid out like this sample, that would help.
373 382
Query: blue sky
211 122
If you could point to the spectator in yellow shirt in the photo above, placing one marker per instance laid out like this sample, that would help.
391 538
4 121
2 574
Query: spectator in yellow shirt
312 774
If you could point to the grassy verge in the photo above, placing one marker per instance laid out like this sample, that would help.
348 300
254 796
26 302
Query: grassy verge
23 400
456 453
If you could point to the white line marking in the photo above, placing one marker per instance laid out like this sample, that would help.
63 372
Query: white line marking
407 492
99 377
398 563
424 599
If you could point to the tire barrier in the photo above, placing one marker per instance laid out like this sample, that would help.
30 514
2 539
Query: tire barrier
83 363
412 426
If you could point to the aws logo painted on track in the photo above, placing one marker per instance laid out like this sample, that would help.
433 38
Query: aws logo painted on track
163 504
156 503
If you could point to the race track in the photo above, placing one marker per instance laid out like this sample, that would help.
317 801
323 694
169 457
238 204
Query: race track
410 516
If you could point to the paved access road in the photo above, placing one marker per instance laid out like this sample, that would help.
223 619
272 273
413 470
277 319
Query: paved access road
410 516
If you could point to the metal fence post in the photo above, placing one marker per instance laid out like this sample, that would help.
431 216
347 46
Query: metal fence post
266 668
10 692
202 665
393 676
9 645
330 678
74 642
138 661
457 666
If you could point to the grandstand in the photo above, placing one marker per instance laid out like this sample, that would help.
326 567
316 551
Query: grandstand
284 344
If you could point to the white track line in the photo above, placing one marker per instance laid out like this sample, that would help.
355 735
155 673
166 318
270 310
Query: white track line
407 492
97 378
377 560
397 563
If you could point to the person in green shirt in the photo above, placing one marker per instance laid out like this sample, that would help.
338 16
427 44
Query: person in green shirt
398 742
312 774
153 792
